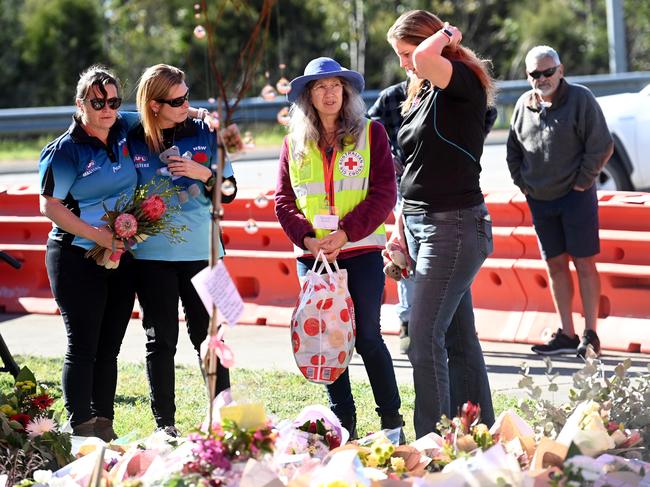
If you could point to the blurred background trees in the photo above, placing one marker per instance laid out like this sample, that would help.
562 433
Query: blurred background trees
45 44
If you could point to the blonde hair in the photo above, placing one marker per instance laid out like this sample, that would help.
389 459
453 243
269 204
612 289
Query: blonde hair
415 26
305 125
155 84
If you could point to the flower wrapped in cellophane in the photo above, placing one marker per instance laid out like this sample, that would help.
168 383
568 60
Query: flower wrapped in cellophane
135 219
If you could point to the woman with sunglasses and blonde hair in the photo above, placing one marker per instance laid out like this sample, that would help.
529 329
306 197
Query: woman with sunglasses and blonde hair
82 170
447 225
164 271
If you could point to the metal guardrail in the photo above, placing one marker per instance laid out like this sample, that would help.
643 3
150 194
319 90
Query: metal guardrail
40 120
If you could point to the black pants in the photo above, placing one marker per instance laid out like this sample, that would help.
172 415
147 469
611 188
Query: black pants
159 286
96 305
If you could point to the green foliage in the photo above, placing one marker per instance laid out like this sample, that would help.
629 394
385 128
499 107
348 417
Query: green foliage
61 39
47 43
626 397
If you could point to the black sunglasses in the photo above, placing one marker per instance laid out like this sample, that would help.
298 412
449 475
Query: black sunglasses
176 102
547 73
99 103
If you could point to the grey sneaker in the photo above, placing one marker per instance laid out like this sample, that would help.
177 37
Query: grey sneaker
589 339
558 344
404 340
171 431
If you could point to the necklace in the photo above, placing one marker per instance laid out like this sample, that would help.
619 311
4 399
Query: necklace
328 138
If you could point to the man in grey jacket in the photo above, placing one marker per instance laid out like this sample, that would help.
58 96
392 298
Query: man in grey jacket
557 145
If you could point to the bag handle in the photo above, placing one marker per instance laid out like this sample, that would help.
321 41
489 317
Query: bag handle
322 260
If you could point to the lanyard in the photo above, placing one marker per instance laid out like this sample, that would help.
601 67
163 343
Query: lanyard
328 171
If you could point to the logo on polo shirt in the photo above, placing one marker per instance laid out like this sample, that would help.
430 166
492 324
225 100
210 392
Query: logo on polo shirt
116 167
140 161
200 148
351 163
90 168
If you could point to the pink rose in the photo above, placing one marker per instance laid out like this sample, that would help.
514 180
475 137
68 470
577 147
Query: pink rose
126 225
153 207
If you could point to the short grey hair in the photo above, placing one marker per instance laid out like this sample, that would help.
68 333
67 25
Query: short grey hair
540 52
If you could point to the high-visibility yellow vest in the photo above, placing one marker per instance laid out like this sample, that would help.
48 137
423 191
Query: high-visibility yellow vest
342 185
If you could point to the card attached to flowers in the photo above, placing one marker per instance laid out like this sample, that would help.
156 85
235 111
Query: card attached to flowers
214 285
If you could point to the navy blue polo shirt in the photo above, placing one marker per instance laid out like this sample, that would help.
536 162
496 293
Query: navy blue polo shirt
87 175
193 136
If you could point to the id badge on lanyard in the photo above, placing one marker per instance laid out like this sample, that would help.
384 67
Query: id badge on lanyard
327 218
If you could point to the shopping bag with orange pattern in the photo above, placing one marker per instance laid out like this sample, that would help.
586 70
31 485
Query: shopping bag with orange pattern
322 325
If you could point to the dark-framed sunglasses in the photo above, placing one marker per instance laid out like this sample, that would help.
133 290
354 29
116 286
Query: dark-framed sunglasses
176 102
547 73
99 103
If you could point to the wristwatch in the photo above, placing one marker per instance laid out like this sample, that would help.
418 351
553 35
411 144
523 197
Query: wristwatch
211 180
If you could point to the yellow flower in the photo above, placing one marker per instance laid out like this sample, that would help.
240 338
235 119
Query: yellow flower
398 464
372 460
336 483
7 410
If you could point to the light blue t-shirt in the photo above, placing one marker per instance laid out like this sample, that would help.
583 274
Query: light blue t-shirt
193 136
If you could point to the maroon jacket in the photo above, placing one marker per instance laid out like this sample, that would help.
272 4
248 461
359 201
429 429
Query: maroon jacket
366 216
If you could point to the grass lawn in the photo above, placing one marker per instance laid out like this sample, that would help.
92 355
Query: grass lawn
283 395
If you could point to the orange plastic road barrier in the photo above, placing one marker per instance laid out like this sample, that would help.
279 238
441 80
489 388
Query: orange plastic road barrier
264 277
24 229
257 235
624 288
19 200
624 211
506 244
616 246
255 314
519 201
502 210
22 289
251 204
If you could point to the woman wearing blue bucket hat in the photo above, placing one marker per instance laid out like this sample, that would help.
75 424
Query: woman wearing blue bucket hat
336 187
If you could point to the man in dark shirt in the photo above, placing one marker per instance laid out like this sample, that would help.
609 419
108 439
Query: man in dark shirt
558 143
387 110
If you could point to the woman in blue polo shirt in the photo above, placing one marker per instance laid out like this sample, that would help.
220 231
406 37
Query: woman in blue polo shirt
89 166
164 272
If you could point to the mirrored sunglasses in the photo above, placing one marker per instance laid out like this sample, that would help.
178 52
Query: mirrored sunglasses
547 73
99 103
176 102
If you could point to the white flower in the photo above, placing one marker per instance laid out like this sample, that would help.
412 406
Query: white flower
36 427
42 476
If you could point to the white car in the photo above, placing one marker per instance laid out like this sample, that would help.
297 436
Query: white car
628 118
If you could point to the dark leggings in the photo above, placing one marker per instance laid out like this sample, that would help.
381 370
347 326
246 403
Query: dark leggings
96 305
160 284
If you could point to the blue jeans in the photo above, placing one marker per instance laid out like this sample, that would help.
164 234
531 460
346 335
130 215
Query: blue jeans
366 286
448 366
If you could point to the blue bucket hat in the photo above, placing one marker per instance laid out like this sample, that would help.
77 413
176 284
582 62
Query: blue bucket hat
323 67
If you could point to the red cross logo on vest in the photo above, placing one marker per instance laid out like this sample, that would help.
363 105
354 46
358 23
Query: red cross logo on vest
351 163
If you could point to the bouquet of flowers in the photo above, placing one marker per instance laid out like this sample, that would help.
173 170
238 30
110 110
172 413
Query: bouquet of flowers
215 454
29 435
462 435
133 220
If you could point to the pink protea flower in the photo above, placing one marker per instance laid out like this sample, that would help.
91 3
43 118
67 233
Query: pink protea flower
38 426
126 225
153 207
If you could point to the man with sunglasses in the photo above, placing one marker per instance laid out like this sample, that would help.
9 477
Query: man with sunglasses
557 146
